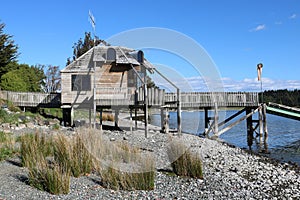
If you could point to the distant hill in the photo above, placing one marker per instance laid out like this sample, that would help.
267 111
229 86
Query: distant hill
285 97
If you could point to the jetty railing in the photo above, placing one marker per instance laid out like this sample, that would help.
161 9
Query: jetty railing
128 96
208 99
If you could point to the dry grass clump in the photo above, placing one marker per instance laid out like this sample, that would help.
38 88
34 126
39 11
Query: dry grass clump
51 161
121 166
183 161
43 174
51 178
108 117
7 145
34 147
72 154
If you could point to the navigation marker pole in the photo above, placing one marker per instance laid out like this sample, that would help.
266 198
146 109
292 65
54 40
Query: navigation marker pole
259 71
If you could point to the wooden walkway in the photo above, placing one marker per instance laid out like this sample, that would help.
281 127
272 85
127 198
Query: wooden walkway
32 99
128 96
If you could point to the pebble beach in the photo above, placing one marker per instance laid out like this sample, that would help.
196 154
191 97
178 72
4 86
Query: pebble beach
228 173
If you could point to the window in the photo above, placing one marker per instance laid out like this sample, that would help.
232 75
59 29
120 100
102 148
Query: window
81 82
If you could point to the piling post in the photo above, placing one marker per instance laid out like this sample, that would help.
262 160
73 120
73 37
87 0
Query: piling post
260 121
206 119
117 117
166 121
264 116
72 116
249 128
162 119
216 118
178 111
130 120
101 118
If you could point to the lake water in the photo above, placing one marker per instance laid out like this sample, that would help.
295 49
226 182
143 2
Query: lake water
283 142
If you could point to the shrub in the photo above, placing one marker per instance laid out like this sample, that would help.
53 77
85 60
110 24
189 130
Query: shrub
7 118
183 161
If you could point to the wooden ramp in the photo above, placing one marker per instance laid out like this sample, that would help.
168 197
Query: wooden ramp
284 111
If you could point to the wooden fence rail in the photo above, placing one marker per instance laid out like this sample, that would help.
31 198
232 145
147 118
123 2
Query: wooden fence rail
32 99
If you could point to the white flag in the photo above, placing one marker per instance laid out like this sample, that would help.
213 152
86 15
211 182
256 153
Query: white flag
92 20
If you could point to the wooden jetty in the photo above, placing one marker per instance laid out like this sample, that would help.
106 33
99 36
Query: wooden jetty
132 99
116 78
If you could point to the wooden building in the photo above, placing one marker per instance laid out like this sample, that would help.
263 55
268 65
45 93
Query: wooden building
107 76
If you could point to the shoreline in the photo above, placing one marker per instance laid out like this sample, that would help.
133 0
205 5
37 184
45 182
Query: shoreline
229 172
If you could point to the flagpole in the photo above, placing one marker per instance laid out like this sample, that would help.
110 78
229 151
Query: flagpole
93 23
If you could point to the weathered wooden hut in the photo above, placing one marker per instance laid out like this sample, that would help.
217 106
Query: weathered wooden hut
107 76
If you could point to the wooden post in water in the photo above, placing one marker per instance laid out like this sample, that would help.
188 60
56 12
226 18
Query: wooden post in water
166 121
260 121
178 111
206 119
264 115
162 119
249 128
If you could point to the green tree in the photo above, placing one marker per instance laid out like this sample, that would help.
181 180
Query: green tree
12 81
24 79
8 51
83 45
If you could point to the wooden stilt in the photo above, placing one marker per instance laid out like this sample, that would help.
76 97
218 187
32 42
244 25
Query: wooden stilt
130 120
90 117
162 119
249 127
206 119
166 121
146 105
135 118
260 118
264 114
101 118
216 118
72 116
178 112
117 118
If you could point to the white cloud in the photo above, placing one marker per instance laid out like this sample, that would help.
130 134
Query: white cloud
259 28
247 84
293 16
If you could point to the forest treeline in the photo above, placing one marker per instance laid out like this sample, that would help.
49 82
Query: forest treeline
285 97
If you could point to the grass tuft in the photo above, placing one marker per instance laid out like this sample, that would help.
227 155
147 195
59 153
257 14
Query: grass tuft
72 154
183 161
7 145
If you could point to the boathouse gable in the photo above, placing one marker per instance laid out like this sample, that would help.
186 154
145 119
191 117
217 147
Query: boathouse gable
100 68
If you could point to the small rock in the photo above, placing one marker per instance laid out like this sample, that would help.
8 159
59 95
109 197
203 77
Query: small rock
112 139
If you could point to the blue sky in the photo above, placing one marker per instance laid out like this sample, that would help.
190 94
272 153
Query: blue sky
237 34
